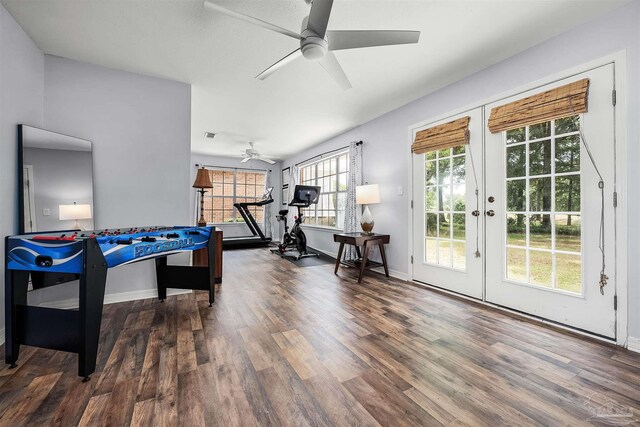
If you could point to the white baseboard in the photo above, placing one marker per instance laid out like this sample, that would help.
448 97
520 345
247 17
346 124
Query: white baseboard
633 344
114 298
1 336
393 273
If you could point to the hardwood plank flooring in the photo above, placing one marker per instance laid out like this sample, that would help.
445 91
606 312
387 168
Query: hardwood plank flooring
291 346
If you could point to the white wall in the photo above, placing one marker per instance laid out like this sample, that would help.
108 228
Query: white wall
386 158
141 132
21 91
234 230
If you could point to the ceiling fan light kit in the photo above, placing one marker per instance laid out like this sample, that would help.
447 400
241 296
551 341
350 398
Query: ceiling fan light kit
316 43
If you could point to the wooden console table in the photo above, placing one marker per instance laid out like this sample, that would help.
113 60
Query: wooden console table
367 242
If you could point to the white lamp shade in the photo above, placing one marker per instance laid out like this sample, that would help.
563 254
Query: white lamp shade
74 212
367 194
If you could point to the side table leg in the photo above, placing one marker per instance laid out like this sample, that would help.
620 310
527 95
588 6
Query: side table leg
384 259
339 257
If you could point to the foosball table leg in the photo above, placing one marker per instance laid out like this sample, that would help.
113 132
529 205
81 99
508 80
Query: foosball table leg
92 285
161 268
16 284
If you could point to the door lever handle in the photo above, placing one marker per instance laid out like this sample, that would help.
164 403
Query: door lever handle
490 212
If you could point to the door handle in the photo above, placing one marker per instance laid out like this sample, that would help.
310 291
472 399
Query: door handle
490 212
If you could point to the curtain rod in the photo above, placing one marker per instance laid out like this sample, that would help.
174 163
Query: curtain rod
325 153
232 168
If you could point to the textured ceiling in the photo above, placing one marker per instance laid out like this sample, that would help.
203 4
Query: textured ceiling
299 105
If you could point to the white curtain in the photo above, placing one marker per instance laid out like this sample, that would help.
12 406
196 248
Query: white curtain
267 210
294 179
352 211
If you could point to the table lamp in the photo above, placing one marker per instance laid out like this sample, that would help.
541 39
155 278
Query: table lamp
75 212
203 181
368 194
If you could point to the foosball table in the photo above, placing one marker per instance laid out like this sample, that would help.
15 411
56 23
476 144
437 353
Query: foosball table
87 255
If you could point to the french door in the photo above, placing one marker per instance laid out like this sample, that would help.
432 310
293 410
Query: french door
539 232
446 236
543 232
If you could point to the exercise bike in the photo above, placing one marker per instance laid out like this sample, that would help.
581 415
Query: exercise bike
303 197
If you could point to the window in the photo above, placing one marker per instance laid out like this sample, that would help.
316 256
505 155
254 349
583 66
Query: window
331 176
233 186
445 208
543 204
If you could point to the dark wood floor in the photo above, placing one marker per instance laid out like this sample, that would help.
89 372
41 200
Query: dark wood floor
299 346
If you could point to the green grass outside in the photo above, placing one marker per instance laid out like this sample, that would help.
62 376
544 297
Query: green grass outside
568 267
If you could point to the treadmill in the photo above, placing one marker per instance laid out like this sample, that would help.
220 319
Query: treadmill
257 237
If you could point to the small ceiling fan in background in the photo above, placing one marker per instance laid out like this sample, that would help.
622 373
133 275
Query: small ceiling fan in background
317 43
253 154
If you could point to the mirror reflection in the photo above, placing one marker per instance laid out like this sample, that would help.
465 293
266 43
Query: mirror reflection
57 181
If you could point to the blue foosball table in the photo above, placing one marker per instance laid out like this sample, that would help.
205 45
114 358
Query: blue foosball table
86 256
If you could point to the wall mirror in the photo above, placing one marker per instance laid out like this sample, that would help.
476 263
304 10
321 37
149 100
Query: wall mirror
55 174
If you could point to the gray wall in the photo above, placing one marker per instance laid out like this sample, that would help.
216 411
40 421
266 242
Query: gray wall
60 177
386 160
21 92
140 128
233 230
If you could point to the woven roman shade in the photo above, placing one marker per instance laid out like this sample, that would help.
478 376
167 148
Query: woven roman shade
556 103
447 135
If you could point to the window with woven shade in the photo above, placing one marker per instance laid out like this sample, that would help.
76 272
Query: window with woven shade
447 135
557 103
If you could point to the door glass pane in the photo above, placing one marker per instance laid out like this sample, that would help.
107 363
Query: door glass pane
516 135
540 158
568 154
431 199
569 272
431 251
568 232
541 130
517 264
540 268
540 195
443 226
459 196
543 221
459 226
540 231
444 170
516 161
432 225
516 195
568 193
444 253
430 169
459 255
445 198
516 230
567 124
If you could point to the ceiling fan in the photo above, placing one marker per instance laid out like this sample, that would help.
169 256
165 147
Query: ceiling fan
253 154
317 43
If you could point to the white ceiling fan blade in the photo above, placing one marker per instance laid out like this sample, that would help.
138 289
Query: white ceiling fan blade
332 66
265 159
245 160
319 16
354 39
281 63
251 20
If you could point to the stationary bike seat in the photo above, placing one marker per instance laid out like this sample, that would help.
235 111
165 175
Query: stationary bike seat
283 212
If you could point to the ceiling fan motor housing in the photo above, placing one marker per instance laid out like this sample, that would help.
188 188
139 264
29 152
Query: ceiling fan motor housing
313 48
